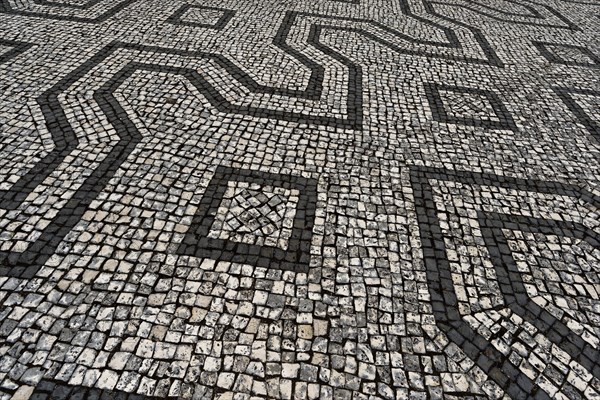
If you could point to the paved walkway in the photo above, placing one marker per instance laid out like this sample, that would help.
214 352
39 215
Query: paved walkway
299 199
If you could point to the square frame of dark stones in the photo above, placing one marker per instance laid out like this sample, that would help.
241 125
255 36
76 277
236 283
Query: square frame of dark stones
297 255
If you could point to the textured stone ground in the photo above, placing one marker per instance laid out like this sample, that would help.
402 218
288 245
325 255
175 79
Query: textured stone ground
299 199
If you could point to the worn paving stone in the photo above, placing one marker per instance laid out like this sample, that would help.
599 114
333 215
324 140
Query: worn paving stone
325 199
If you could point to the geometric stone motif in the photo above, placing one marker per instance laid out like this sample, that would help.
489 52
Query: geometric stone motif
567 54
134 265
572 54
12 48
253 217
468 106
561 273
584 105
201 16
530 291
255 214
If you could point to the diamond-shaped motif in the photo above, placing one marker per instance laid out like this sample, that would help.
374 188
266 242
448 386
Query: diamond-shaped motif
196 15
468 106
201 16
567 54
256 218
255 214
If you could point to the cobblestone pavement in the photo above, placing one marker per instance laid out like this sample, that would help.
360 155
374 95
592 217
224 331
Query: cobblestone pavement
349 199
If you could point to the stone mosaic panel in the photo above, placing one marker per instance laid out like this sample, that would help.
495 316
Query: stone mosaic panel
321 199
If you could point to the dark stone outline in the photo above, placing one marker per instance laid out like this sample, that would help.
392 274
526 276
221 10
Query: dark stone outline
542 47
590 124
7 9
58 390
17 48
441 287
439 113
587 3
295 258
533 14
513 288
89 4
452 39
453 42
175 19
27 263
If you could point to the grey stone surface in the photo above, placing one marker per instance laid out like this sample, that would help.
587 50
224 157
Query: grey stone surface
322 199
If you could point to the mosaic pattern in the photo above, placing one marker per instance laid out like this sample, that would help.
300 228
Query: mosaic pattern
251 213
201 16
468 106
319 199
254 217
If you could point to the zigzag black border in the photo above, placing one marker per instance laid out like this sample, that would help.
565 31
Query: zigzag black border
27 263
441 287
491 58
533 14
453 42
